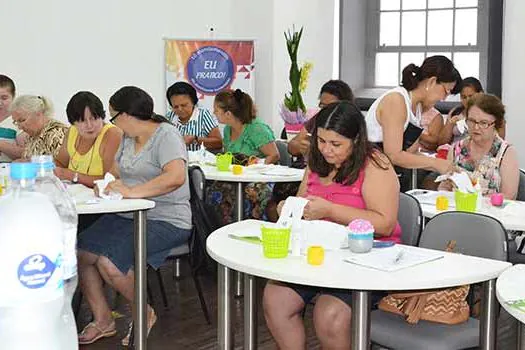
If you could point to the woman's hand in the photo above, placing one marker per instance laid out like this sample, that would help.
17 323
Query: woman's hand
317 208
280 207
118 186
447 185
189 139
445 166
63 173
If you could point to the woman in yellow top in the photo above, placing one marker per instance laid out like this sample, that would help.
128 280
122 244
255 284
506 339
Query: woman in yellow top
91 144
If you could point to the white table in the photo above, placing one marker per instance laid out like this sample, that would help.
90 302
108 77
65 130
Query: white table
250 174
511 286
231 254
83 194
511 215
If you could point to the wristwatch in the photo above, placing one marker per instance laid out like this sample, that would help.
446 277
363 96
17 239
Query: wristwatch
75 178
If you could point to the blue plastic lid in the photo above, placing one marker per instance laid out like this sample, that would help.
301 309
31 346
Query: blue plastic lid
43 162
23 171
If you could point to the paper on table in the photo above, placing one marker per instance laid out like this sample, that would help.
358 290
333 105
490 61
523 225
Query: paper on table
101 184
429 197
205 157
279 171
394 258
327 234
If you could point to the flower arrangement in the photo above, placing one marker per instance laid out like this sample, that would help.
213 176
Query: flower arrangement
293 110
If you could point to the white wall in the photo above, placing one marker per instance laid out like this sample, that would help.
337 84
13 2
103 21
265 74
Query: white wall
514 74
59 47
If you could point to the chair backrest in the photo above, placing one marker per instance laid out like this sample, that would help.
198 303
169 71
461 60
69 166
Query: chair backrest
521 187
475 234
285 157
197 182
410 218
204 218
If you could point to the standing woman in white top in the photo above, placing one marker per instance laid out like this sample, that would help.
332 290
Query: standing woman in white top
393 120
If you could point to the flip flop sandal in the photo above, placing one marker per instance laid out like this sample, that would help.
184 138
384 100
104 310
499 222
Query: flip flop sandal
102 333
152 319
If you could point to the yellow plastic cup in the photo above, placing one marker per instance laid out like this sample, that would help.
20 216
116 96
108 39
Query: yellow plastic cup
315 255
237 169
441 203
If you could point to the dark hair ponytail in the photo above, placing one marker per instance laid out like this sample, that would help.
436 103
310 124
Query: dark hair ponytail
410 77
134 102
434 66
239 103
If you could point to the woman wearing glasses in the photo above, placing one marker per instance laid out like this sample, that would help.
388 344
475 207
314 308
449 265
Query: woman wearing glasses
91 144
151 162
483 154
394 119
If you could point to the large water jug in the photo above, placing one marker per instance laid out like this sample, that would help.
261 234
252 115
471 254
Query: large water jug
31 274
50 185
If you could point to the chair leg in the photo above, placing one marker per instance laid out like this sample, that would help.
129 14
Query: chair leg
131 344
176 268
162 289
77 302
201 296
150 294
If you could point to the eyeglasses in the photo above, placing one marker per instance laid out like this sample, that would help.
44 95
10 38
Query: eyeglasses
483 124
112 120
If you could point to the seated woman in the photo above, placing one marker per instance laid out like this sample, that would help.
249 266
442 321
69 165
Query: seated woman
151 163
483 154
89 151
346 179
196 124
246 135
32 114
449 131
331 91
11 139
394 119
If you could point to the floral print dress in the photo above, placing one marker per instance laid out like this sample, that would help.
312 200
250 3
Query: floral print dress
487 170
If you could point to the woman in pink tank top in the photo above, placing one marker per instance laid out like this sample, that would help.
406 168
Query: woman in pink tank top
346 179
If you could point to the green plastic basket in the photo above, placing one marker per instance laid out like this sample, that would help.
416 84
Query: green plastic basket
275 242
224 161
466 201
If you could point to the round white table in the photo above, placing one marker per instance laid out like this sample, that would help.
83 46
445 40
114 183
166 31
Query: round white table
254 173
232 254
510 216
87 203
510 287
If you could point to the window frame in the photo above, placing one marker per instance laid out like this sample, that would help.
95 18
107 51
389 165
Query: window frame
373 45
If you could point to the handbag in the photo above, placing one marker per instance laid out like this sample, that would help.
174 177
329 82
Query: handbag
447 306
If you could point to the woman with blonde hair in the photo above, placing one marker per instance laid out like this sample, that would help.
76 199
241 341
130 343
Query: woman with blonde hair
33 115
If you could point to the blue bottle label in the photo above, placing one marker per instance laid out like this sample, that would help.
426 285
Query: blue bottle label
36 270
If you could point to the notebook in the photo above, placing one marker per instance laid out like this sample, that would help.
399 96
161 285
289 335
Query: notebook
394 258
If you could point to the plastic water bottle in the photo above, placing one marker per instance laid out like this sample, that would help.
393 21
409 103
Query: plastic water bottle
31 274
50 185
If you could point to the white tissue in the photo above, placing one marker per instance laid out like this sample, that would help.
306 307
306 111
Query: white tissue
462 181
291 215
462 126
102 184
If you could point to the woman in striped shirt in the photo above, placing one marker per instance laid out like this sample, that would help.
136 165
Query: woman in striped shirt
197 125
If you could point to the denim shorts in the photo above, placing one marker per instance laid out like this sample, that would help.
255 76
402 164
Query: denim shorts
307 293
112 236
